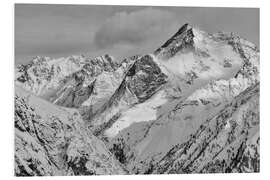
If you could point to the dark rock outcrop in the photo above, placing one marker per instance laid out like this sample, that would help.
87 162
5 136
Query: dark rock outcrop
181 41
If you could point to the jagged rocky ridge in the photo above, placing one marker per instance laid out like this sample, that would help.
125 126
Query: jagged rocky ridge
190 107
76 81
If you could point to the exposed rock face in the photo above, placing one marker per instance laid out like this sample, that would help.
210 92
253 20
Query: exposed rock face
190 107
144 78
50 140
182 41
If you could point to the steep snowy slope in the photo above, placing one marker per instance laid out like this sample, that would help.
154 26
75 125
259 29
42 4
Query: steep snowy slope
50 140
227 142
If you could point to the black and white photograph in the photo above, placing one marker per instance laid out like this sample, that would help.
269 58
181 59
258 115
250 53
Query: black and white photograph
135 90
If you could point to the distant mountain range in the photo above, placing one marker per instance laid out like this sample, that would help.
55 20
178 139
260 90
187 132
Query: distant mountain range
191 106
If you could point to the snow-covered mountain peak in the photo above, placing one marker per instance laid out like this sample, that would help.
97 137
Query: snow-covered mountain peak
200 43
40 59
192 55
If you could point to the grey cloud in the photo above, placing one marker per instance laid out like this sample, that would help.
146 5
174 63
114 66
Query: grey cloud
62 30
134 28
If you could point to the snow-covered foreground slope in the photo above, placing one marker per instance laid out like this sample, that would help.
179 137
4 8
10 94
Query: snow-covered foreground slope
51 140
190 106
227 142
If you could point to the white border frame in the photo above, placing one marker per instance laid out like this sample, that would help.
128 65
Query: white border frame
7 85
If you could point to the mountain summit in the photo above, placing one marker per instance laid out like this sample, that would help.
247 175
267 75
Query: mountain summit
182 40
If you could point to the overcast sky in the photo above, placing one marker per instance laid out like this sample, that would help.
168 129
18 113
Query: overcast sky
63 30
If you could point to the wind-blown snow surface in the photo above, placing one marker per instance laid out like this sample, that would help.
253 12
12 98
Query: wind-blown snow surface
141 112
192 106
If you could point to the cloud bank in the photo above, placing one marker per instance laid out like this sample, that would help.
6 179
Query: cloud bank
134 28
